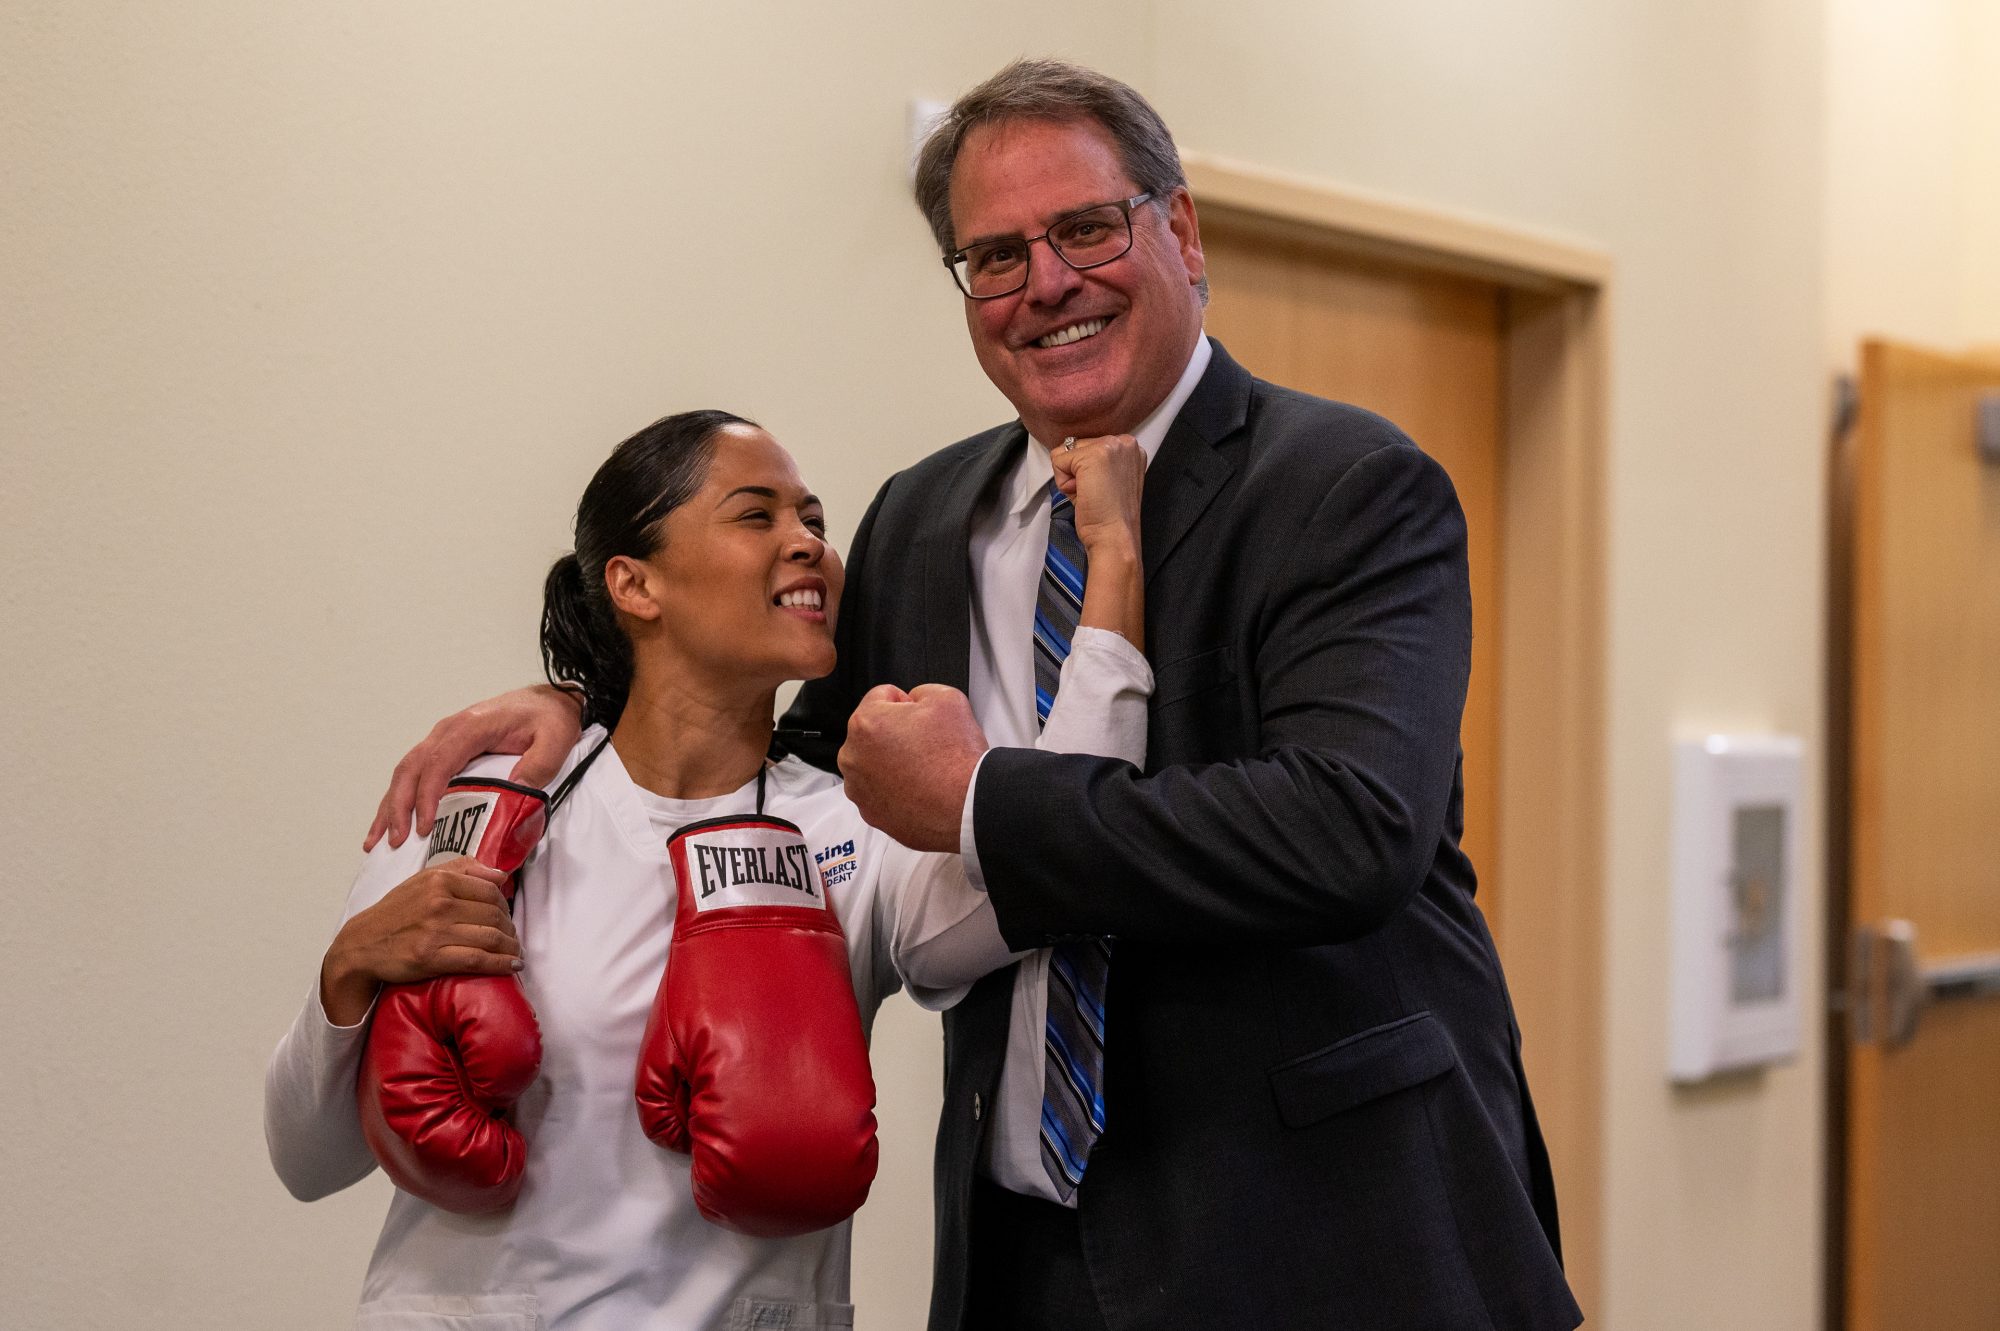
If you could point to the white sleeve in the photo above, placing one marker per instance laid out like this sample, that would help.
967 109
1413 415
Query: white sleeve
943 934
1100 704
1100 708
311 1125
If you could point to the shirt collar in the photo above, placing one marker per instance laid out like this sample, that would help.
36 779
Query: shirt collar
1028 481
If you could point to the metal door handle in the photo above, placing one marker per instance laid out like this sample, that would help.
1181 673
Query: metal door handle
1964 977
1889 988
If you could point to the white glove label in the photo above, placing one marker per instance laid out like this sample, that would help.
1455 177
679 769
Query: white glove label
460 820
750 866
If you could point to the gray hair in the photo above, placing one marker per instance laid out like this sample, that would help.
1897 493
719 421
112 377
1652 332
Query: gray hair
1044 89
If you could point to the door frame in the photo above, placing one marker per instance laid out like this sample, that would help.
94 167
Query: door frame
1553 654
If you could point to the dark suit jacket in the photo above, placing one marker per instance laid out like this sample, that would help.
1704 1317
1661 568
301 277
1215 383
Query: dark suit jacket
1316 1113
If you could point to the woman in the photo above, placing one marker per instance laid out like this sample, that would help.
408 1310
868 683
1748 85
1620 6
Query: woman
701 581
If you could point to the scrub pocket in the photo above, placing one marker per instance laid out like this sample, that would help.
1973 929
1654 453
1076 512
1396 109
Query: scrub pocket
765 1315
449 1312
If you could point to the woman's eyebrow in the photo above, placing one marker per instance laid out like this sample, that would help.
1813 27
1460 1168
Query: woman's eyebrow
765 492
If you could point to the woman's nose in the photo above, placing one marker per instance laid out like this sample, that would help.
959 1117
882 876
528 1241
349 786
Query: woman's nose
805 547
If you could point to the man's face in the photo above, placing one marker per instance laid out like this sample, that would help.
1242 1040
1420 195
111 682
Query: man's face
1015 178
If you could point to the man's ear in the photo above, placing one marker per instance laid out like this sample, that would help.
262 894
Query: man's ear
1186 227
632 586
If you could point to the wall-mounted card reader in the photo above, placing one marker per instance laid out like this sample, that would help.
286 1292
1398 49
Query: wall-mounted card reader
1739 921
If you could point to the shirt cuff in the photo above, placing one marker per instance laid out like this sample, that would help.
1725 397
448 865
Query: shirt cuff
331 1029
1126 663
968 845
1101 701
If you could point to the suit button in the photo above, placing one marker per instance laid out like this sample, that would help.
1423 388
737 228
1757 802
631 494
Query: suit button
978 1107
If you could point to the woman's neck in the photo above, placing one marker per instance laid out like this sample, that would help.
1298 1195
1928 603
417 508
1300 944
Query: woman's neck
687 746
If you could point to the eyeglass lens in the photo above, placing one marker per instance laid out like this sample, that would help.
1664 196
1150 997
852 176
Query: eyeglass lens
1082 240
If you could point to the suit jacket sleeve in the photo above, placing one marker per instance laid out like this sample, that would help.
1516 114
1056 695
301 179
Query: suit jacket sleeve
823 705
1359 659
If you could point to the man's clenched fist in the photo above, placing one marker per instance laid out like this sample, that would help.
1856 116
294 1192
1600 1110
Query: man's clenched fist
908 762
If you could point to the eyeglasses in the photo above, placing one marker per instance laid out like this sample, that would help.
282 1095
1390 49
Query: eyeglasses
1084 239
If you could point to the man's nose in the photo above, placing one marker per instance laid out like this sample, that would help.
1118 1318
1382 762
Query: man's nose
1050 278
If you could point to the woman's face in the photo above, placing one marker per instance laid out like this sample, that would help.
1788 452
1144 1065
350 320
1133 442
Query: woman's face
745 586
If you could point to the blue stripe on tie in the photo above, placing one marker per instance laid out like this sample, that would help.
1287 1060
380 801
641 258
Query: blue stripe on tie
1081 1097
1086 1002
1077 1079
1088 1005
1054 1135
1044 700
1051 639
1090 1098
1066 574
1056 1169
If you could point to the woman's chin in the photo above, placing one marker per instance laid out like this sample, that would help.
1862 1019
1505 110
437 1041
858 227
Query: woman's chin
817 665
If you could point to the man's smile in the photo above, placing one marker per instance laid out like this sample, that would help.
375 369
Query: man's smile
1074 332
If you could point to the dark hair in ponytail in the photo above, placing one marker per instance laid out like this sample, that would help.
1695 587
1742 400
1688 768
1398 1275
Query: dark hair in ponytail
645 478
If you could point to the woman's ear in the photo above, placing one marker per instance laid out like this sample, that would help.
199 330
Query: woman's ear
630 583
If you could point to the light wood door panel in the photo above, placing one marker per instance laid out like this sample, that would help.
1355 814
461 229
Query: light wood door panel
1922 1242
1424 350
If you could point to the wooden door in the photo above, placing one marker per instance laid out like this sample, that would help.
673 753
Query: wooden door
1918 603
1424 350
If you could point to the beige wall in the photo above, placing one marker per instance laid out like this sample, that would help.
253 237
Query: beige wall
316 321
1913 179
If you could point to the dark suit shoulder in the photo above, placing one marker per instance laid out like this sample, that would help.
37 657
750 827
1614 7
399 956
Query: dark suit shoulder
938 469
1297 429
1297 449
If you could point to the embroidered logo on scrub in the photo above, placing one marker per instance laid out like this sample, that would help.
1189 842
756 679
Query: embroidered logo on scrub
836 863
751 866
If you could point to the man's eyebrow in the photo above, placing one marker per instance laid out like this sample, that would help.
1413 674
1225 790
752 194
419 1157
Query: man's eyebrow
1047 221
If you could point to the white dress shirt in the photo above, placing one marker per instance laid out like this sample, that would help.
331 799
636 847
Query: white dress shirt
1009 540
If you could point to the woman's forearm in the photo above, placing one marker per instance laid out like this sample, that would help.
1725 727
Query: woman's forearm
1114 591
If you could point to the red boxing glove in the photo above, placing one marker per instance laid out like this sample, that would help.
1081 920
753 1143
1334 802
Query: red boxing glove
447 1057
754 1061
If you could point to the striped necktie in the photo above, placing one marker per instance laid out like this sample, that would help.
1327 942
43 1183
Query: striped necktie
1073 1038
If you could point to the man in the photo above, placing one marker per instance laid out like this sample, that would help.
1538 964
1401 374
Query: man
1262 1071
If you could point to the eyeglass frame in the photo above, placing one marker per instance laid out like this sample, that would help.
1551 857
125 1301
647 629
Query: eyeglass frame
1027 243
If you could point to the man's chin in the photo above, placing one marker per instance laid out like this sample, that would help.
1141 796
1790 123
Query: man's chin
1084 414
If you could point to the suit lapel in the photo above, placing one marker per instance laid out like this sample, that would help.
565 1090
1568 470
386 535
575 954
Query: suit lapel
1188 471
947 592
